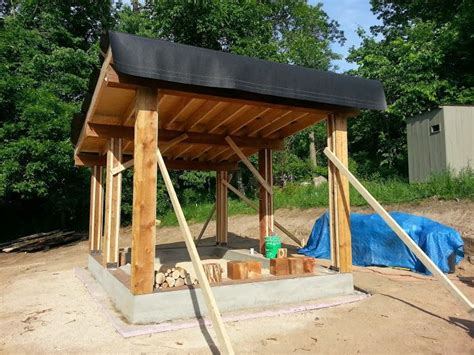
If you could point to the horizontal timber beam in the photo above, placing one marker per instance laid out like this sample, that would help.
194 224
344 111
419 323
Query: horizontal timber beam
97 130
91 159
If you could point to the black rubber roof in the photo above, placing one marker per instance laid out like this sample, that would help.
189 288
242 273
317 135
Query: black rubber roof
198 69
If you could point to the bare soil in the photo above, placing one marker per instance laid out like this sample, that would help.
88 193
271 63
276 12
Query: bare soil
44 308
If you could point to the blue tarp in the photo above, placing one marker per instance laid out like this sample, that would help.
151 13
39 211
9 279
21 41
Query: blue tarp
374 243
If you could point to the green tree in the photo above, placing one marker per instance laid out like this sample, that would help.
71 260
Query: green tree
412 54
47 53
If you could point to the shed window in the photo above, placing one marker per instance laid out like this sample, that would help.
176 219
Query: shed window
435 129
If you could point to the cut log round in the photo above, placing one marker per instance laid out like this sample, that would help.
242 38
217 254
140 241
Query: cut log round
175 274
164 285
170 281
179 282
159 278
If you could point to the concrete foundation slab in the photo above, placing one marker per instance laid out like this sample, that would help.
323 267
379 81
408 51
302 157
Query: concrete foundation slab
187 302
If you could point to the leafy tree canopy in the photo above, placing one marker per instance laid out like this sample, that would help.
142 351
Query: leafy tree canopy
423 55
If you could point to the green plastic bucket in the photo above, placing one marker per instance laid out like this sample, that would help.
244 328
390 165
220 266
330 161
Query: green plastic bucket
272 244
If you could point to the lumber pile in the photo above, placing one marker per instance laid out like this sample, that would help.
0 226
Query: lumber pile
292 266
174 277
242 270
40 241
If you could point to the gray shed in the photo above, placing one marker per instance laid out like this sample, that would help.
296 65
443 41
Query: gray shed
439 140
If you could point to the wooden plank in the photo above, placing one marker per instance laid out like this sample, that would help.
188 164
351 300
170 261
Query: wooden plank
204 227
332 190
101 83
324 108
207 110
144 192
249 165
211 304
237 125
112 203
414 248
89 159
342 206
282 122
227 115
251 204
174 142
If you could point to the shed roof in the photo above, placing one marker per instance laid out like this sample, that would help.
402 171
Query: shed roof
209 95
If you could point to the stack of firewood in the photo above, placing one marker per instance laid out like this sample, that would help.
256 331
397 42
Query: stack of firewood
174 277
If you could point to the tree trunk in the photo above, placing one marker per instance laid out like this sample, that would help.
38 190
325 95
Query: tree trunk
312 150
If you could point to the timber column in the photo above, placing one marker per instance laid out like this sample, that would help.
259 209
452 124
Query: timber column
144 192
265 206
96 209
113 191
221 208
339 202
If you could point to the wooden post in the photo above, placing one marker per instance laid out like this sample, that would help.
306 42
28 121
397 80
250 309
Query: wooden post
266 199
96 208
144 192
221 207
339 205
112 204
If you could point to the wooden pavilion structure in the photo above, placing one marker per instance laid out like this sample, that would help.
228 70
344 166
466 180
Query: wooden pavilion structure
197 109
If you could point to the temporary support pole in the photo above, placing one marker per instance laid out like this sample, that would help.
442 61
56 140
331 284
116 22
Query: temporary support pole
249 165
339 204
265 209
112 204
96 208
254 206
144 192
414 248
221 207
211 304
332 184
204 227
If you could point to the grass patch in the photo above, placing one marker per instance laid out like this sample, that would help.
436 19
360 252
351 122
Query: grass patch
443 186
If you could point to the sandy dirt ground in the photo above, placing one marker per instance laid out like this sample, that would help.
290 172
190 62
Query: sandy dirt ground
44 308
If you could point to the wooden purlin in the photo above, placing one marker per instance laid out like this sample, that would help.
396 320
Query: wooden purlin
144 193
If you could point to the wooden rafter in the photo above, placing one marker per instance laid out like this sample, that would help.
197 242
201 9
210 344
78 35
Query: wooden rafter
101 83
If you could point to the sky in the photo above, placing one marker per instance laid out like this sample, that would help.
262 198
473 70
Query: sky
350 14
